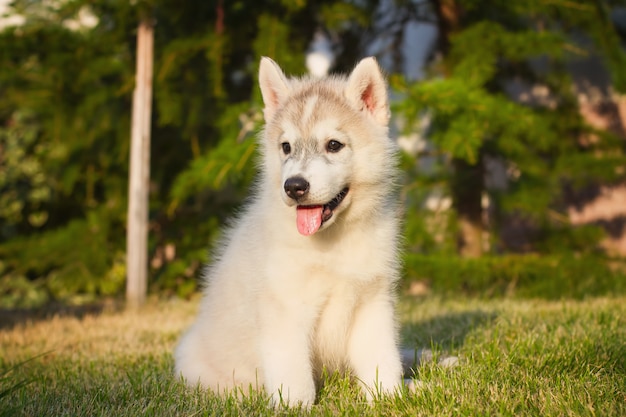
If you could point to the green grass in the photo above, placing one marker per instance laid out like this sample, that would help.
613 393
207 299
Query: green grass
517 357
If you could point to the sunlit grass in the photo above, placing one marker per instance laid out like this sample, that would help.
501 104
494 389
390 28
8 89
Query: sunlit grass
517 357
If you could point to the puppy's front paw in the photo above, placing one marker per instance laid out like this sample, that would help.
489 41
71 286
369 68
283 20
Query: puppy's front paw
413 385
291 397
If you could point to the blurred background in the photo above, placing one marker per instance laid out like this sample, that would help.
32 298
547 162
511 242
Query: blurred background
511 117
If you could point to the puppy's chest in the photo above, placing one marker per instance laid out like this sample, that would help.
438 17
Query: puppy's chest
354 261
333 325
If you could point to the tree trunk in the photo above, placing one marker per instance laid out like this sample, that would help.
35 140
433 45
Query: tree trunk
137 230
467 187
468 181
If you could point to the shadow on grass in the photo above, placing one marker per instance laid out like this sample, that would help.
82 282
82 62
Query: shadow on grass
426 340
10 318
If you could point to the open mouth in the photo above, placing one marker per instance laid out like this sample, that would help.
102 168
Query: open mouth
310 218
328 208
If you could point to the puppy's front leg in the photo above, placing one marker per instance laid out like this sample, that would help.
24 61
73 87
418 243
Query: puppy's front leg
285 355
372 348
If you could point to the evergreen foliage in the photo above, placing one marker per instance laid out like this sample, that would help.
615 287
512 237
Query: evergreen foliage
65 128
66 94
22 180
476 118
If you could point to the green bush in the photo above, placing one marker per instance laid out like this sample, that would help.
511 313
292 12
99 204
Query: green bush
75 263
548 276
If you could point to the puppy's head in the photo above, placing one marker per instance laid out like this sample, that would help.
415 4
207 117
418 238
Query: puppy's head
323 139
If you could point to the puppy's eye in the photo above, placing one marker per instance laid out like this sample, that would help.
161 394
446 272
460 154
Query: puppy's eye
334 146
286 147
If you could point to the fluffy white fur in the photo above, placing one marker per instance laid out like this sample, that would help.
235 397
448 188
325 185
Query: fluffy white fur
278 306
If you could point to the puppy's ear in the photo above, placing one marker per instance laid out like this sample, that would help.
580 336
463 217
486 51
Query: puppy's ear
367 90
274 86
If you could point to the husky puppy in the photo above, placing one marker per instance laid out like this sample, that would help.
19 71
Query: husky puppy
306 274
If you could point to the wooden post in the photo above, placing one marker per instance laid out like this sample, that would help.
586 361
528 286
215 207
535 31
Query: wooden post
139 181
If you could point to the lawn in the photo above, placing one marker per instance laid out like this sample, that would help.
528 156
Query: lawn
516 357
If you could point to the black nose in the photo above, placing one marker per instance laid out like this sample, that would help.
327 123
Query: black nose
296 187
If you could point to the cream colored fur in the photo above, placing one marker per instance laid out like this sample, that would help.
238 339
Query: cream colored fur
278 307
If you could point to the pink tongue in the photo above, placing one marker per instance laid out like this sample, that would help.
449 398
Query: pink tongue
309 219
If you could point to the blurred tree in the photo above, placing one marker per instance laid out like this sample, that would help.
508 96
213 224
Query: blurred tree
67 79
485 52
66 84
